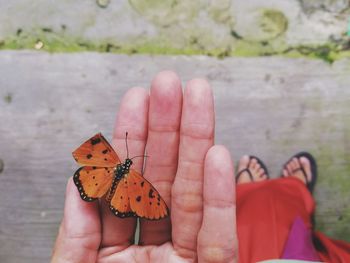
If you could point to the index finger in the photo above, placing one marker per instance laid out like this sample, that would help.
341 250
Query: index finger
132 118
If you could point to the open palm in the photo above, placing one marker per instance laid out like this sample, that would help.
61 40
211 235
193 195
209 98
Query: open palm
194 177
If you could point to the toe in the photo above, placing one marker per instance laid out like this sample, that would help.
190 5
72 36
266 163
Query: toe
285 172
243 163
261 178
295 164
253 163
290 167
261 172
257 167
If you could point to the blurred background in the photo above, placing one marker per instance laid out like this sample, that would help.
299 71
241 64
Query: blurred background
280 71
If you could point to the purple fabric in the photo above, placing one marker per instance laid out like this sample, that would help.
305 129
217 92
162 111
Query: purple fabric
299 243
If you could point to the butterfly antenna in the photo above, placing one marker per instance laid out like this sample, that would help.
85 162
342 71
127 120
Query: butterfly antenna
144 162
145 156
126 143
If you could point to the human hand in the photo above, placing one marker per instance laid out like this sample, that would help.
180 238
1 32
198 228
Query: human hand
194 178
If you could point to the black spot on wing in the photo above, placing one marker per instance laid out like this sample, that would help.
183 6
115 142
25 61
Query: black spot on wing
89 156
95 141
142 183
138 199
105 151
150 193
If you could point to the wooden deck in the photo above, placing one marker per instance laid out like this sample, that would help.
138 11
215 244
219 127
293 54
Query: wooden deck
271 107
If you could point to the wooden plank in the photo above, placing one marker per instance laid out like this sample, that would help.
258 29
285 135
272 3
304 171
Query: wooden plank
271 107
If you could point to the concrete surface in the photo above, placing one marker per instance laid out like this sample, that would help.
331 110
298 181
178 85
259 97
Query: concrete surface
219 28
271 107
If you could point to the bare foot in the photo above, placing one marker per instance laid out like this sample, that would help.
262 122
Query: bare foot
293 168
249 170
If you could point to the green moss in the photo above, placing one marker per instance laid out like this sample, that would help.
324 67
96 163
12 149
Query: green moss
165 13
1 165
324 52
8 98
220 12
273 23
334 170
51 42
103 3
47 40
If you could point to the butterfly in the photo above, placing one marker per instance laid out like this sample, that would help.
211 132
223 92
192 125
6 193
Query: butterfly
128 193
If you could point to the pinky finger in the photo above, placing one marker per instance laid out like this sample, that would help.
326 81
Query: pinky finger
217 239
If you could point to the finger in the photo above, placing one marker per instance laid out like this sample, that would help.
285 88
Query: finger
79 235
162 148
217 239
196 137
132 118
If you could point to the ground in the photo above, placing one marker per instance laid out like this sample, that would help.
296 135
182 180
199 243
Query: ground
271 107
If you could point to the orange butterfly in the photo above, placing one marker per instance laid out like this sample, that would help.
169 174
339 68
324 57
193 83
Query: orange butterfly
127 192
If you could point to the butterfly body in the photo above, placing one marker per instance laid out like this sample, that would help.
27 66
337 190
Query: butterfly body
121 170
103 175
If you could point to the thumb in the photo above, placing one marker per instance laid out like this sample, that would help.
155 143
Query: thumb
79 235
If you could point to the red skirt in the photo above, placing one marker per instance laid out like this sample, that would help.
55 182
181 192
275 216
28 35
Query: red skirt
265 214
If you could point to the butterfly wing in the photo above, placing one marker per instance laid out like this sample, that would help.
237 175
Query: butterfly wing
96 152
93 182
145 200
120 202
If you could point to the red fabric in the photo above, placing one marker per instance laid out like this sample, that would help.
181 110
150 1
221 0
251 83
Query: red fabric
265 214
337 250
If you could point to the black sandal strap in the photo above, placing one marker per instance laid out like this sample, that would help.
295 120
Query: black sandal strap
245 170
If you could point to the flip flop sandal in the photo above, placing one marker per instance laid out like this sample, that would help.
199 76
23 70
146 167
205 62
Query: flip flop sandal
313 165
263 166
